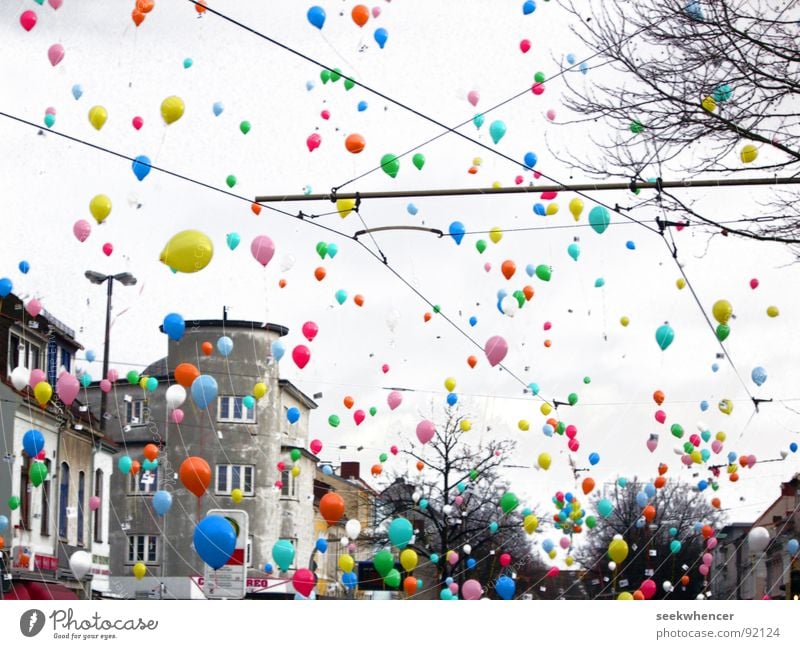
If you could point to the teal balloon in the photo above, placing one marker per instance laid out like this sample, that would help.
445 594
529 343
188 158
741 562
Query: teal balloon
151 384
574 251
434 558
283 554
233 240
497 130
49 120
599 219
400 532
493 527
674 546
604 508
86 380
341 296
124 464
478 120
664 336
249 402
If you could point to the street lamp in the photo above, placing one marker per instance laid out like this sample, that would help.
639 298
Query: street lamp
126 279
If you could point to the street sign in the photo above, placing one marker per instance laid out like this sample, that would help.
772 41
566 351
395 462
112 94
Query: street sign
229 581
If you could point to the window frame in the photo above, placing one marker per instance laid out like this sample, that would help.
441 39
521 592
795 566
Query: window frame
29 344
247 415
97 523
132 556
228 472
130 412
289 485
25 491
63 501
81 509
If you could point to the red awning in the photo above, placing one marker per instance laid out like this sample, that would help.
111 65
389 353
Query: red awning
18 591
44 590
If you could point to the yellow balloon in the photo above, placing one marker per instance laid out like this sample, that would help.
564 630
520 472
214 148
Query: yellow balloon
544 460
709 104
495 234
477 161
345 205
259 390
139 570
524 425
530 524
625 596
295 471
237 496
172 109
143 382
576 207
569 561
680 283
624 321
696 457
721 436
346 563
552 208
732 468
726 406
450 384
97 116
722 310
748 153
43 391
497 184
772 311
100 207
545 409
618 550
465 425
408 559
552 554
188 251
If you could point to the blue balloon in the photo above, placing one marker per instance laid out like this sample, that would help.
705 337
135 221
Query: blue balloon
584 68
362 106
283 554
641 499
3 524
225 346
594 458
473 321
539 210
349 580
33 442
218 107
309 85
448 581
24 267
327 469
322 546
759 375
380 36
162 501
702 485
640 522
452 399
505 586
278 349
269 568
215 540
293 415
792 545
77 91
650 490
174 326
704 405
141 166
90 355
528 7
547 545
316 16
630 245
530 269
732 457
412 209
457 231
715 367
793 447
569 497
571 59
471 563
204 391
5 287
530 159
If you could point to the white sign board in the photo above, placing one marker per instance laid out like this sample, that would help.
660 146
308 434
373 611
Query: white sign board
229 581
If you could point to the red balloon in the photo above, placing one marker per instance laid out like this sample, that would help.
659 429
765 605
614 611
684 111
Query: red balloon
505 559
648 588
195 474
303 581
301 355
310 330
331 506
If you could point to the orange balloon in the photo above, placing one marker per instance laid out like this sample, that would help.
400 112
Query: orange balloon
138 17
359 300
577 529
508 268
427 316
331 506
377 469
255 207
410 585
151 452
355 143
207 348
320 273
734 477
472 361
649 513
662 468
588 485
348 402
658 397
743 460
420 465
685 580
145 6
553 422
135 466
716 503
527 291
200 7
638 595
195 475
282 283
185 374
707 531
2 543
659 482
472 170
547 343
360 15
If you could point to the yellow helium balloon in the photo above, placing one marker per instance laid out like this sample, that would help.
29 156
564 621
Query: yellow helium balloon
551 209
721 436
346 563
530 524
237 496
624 321
495 234
97 116
497 184
722 311
408 559
552 554
259 390
188 251
625 596
477 161
618 550
680 283
465 425
748 153
544 460
43 391
545 409
569 561
295 471
732 468
345 205
100 207
524 425
696 457
139 570
726 406
450 384
709 104
172 109
772 311
576 207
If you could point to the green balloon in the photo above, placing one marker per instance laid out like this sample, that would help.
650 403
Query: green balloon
437 308
295 454
133 377
37 473
480 244
688 447
587 380
539 77
636 127
336 75
334 420
520 297
723 331
509 502
322 249
418 160
676 430
715 485
591 521
13 503
390 164
392 579
572 398
373 411
544 273
244 127
349 84
325 76
231 181
383 562
473 475
560 427
383 457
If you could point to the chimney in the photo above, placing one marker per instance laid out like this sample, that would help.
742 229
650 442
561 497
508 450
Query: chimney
351 470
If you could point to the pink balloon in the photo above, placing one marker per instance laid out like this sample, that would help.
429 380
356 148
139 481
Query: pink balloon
281 466
496 349
708 558
751 461
262 249
452 558
37 376
27 20
393 450
49 111
553 572
113 375
55 4
458 501
105 385
359 416
394 399
310 330
279 484
67 388
754 283
686 459
453 588
711 543
571 431
695 439
384 368
471 589
425 431
704 569
505 559
81 229
551 114
648 588
94 503
661 416
487 267
313 141
351 547
652 444
473 96
548 325
303 581
573 445
325 114
176 416
716 446
33 307
518 180
376 11
564 542
55 54
137 122
524 45
108 249
315 446
301 355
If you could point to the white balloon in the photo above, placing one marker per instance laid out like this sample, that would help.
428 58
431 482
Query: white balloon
447 509
467 549
758 539
509 306
612 566
20 377
416 496
353 528
667 586
176 395
80 562
344 541
393 319
287 262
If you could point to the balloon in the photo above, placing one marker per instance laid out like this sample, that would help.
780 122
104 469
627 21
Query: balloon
408 559
599 219
509 502
331 506
316 16
664 336
162 501
618 550
758 539
172 109
293 415
214 540
400 532
42 391
262 248
792 546
32 442
100 208
497 130
605 508
81 229
425 431
496 349
528 7
301 355
283 554
310 330
141 167
544 460
195 474
722 311
204 391
303 581
352 528
383 562
28 20
188 251
390 164
97 117
137 122
174 326
381 36
67 388
37 473
759 375
505 587
394 399
457 231
747 154
80 563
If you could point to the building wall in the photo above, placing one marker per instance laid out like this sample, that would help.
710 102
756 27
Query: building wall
101 546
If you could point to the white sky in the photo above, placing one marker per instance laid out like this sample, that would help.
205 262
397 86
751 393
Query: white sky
436 54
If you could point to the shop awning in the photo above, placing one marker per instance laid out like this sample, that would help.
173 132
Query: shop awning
44 590
18 591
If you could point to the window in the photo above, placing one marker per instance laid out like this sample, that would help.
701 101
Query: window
23 352
144 482
81 495
293 541
25 489
98 513
45 529
63 502
248 552
288 485
66 359
142 548
52 361
134 413
231 409
235 476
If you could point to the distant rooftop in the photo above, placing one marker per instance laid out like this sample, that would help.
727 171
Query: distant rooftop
234 324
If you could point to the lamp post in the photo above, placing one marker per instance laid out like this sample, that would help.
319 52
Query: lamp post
126 279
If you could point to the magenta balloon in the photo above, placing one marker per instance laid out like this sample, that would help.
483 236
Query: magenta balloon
553 572
303 581
315 446
711 543
262 249
359 416
301 355
496 349
471 589
394 399
94 502
648 588
310 330
81 229
55 54
37 376
176 416
67 388
425 431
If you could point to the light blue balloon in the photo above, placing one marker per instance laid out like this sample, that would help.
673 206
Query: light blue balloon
412 209
309 85
327 469
77 91
214 540
204 391
732 457
704 405
162 501
283 554
174 326
650 490
497 130
3 524
278 349
584 68
547 545
715 367
316 16
505 586
641 499
548 430
448 581
224 346
792 545
218 107
530 269
90 355
321 546
381 36
571 59
759 375
293 415
640 522
457 231
400 532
